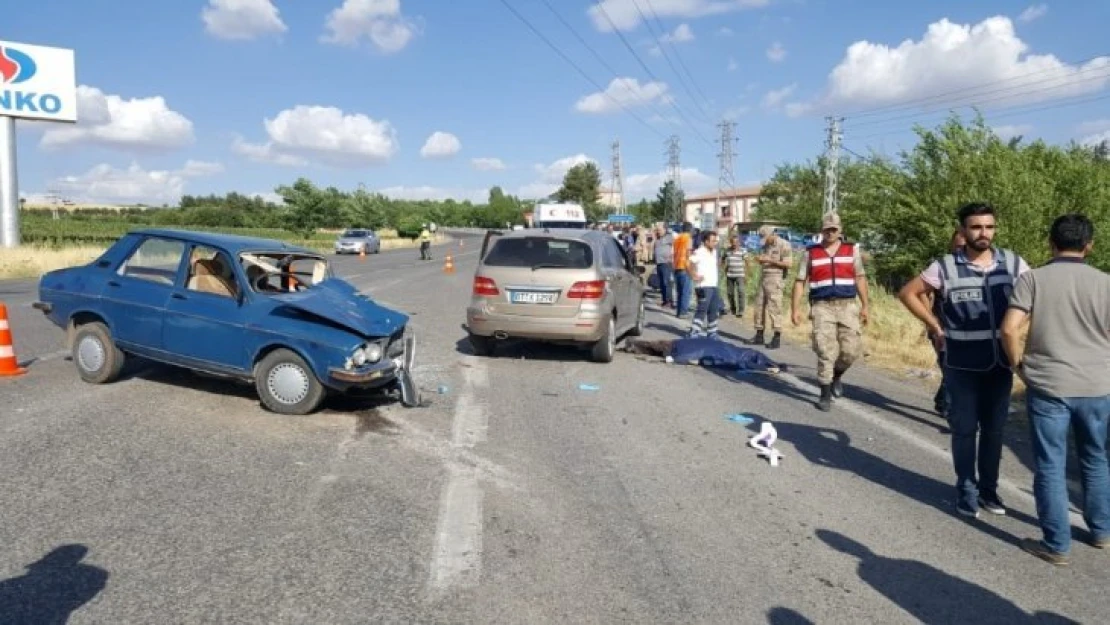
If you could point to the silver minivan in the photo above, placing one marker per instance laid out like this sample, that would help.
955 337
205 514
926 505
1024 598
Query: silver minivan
565 286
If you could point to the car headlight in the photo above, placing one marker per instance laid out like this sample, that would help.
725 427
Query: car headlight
373 352
359 357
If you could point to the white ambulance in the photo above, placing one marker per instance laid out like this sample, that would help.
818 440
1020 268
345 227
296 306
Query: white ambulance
558 215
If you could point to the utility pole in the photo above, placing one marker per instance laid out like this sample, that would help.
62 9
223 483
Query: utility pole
832 162
616 186
674 174
726 182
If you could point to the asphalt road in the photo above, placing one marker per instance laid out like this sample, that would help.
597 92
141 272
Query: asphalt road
513 497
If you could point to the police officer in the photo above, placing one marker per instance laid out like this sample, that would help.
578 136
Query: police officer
834 271
974 285
425 244
774 259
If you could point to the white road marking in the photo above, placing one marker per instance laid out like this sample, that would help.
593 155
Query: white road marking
913 439
457 560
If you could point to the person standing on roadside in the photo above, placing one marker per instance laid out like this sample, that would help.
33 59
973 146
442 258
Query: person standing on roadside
1065 365
664 264
775 260
942 399
705 278
425 244
834 271
682 285
735 263
974 285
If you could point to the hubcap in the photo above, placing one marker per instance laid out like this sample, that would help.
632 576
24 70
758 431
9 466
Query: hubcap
612 339
288 383
90 354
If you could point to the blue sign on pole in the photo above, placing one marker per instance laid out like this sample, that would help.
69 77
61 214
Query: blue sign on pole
624 219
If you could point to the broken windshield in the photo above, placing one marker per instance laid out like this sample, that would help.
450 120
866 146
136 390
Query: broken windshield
283 272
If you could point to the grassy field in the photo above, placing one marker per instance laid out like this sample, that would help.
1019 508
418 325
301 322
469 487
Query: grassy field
32 260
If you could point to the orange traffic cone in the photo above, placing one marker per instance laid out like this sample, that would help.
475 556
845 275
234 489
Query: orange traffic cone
8 364
362 254
448 265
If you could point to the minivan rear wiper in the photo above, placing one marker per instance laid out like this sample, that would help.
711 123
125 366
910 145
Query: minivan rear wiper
548 266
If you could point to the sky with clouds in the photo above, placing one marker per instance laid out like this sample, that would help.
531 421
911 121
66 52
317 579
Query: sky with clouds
434 99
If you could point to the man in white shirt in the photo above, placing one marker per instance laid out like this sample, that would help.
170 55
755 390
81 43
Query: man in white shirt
704 275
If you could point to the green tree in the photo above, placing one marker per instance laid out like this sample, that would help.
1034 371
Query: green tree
582 184
668 202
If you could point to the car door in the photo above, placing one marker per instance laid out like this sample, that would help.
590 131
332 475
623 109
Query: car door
134 299
617 277
205 314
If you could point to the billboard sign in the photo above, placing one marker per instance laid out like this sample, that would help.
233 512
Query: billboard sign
37 82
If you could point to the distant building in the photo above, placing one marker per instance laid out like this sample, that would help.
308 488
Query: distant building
720 212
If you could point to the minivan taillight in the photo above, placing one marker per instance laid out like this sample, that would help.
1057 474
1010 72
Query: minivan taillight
485 286
594 289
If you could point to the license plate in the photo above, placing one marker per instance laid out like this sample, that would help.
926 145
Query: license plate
533 297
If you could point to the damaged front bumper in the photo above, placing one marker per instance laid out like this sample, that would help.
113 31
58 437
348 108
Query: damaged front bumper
394 369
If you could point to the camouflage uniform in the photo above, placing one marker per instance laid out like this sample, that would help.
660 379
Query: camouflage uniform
834 309
768 295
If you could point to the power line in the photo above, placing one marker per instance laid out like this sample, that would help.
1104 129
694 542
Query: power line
577 67
1011 113
832 169
600 59
1066 85
942 95
674 173
616 187
659 41
636 55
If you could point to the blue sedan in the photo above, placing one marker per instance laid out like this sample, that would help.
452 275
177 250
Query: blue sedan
258 310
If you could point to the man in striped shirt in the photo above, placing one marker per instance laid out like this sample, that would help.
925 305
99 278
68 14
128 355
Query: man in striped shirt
734 263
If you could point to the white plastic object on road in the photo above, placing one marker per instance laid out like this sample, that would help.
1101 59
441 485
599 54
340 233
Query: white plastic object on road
764 443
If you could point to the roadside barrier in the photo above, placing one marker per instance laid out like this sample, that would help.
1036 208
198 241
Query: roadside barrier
9 366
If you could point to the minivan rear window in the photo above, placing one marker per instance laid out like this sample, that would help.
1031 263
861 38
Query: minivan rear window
540 252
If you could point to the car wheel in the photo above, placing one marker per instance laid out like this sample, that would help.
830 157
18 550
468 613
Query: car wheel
638 329
98 359
286 384
606 346
482 345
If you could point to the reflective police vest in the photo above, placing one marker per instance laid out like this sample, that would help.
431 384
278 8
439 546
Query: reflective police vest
832 277
972 310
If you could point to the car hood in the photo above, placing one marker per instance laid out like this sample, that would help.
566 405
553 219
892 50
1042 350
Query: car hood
340 303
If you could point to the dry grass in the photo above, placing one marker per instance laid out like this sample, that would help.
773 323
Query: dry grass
32 262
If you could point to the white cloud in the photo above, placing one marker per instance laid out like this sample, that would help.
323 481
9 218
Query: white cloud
1094 132
776 52
1010 131
487 164
133 185
1035 12
268 196
725 31
953 57
773 99
435 193
380 21
111 121
733 65
322 133
441 145
1096 139
241 19
638 186
681 34
627 14
735 112
549 177
625 91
